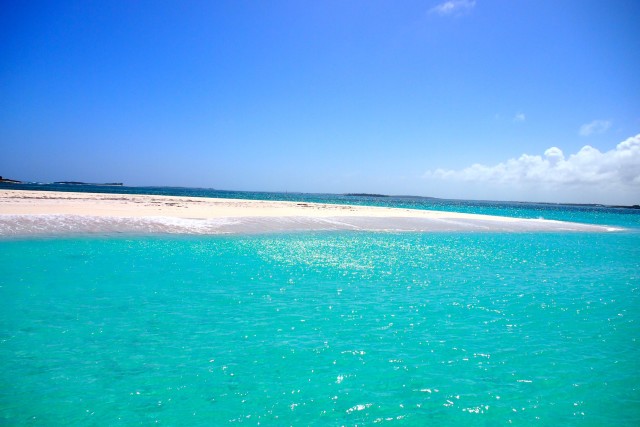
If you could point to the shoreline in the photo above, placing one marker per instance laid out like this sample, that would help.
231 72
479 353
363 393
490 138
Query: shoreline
31 212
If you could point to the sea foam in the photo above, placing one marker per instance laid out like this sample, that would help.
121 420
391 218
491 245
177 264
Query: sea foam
56 224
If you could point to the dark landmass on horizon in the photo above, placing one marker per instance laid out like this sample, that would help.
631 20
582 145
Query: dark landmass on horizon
113 184
15 181
9 181
365 195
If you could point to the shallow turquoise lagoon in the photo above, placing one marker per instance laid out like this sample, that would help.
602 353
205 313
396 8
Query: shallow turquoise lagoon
321 329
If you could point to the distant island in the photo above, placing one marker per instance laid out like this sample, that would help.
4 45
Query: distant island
365 195
116 184
9 181
4 180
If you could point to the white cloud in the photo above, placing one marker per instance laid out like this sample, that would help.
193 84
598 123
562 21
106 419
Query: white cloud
520 117
596 126
590 176
451 7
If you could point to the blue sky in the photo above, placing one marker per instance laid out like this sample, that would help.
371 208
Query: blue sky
456 99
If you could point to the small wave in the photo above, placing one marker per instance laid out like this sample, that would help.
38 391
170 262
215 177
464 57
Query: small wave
15 225
21 225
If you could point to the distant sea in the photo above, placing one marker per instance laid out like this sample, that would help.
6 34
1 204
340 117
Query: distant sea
325 328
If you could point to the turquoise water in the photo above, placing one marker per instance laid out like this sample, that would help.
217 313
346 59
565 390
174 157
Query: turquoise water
324 328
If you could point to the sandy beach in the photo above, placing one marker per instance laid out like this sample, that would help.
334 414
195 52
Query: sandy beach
46 212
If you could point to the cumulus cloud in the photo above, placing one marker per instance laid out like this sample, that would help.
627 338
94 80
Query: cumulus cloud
451 7
520 117
596 126
587 176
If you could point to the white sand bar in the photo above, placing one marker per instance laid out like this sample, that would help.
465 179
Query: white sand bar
46 212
